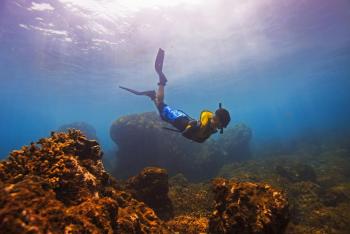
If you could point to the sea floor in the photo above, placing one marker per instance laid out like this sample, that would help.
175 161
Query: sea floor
316 182
59 185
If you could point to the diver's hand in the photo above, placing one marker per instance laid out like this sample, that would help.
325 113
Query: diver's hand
193 123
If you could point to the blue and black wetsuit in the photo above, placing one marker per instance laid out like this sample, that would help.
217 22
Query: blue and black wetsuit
190 128
177 118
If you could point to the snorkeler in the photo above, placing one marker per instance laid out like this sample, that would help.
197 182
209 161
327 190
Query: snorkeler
196 130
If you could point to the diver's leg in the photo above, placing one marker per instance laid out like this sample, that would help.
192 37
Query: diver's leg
158 65
160 95
151 93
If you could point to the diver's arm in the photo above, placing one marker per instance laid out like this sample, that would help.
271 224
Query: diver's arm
192 127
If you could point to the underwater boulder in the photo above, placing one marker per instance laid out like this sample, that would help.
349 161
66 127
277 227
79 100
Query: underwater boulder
245 207
235 143
151 186
142 142
88 130
59 185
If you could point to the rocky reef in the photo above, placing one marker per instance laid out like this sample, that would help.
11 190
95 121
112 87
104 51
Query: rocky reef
59 185
87 129
227 206
151 186
142 141
316 179
245 207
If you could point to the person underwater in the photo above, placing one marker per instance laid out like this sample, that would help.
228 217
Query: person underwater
196 130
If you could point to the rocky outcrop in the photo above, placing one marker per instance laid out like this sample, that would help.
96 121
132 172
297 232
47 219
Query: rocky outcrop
142 141
227 206
59 185
318 185
244 207
151 186
235 143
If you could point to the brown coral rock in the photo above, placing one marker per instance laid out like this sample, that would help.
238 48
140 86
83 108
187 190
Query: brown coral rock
244 207
151 186
59 185
188 224
29 206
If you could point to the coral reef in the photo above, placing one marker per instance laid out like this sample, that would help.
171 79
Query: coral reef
143 142
195 200
316 180
88 130
185 224
59 185
227 207
244 207
151 186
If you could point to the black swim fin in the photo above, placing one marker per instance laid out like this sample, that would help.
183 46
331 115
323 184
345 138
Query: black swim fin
158 65
151 94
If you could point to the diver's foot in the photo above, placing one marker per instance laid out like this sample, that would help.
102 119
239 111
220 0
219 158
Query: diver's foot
159 67
162 79
151 94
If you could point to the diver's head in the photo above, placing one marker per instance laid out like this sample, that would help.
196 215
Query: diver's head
221 118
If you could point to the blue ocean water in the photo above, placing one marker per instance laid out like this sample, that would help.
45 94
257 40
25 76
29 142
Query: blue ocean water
281 67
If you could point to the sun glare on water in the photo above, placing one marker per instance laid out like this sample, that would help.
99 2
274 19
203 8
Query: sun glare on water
115 6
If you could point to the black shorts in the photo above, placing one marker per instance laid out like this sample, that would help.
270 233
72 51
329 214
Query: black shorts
177 118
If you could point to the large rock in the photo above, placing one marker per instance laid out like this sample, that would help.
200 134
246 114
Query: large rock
151 186
143 142
235 143
244 207
59 185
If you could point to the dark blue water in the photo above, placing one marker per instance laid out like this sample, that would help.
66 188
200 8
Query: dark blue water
282 67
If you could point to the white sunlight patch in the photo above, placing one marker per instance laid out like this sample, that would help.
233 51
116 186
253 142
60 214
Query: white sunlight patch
102 41
41 7
24 26
50 31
